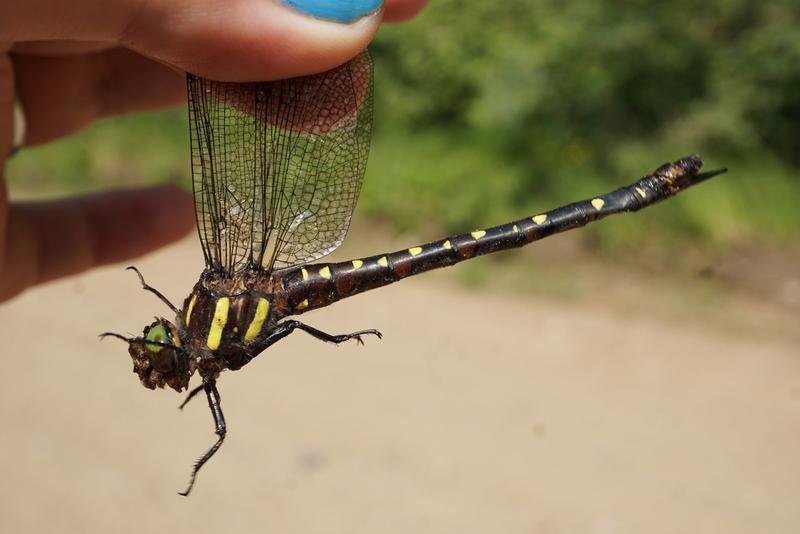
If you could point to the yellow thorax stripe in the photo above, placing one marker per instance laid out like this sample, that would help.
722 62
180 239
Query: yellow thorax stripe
190 308
218 323
258 320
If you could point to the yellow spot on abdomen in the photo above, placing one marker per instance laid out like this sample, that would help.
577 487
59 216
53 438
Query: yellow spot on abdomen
305 273
258 320
477 234
303 305
598 203
357 264
447 245
325 272
218 323
641 192
539 219
516 228
415 250
189 309
383 261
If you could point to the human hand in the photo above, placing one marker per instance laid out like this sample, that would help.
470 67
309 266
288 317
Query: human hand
70 63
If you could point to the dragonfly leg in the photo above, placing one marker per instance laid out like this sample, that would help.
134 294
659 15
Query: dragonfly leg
210 387
191 395
153 290
319 334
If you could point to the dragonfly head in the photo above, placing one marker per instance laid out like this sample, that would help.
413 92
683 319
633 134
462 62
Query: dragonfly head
159 357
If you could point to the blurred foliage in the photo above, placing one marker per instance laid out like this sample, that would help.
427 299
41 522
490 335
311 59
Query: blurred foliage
487 112
532 103
135 150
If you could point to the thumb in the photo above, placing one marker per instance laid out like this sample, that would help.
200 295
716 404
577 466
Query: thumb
229 40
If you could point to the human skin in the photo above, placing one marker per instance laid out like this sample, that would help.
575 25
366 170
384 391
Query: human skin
70 63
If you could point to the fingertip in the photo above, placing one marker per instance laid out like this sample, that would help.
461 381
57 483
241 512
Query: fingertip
402 10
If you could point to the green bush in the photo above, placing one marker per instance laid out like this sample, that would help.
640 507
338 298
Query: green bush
569 99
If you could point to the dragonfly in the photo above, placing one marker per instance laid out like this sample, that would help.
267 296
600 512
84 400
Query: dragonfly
277 168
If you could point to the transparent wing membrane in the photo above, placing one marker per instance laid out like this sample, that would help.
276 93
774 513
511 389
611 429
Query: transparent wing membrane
277 166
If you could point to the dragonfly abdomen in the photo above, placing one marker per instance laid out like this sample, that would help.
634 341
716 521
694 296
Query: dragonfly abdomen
318 285
314 286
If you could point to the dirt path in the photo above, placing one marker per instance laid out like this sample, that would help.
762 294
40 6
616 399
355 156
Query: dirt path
476 413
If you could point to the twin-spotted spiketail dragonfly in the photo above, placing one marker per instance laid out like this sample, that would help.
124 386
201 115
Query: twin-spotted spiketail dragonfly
277 168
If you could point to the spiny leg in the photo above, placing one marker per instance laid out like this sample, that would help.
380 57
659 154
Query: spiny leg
324 336
210 387
191 395
281 330
153 290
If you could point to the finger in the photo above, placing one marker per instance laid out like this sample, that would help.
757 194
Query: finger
64 93
402 10
232 40
59 48
48 240
6 120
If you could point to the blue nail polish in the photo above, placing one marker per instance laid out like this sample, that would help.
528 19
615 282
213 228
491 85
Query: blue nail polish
345 11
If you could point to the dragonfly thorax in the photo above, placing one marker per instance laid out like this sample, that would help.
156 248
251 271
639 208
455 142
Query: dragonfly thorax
224 320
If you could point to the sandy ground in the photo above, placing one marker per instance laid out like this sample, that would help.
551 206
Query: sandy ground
476 413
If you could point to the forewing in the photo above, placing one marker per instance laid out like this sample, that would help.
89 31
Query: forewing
277 166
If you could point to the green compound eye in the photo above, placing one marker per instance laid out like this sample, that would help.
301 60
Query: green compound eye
159 334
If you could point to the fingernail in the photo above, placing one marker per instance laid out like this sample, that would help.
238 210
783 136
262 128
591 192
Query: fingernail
20 128
344 11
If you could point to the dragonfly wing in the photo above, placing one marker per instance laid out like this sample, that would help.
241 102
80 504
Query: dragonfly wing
277 167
